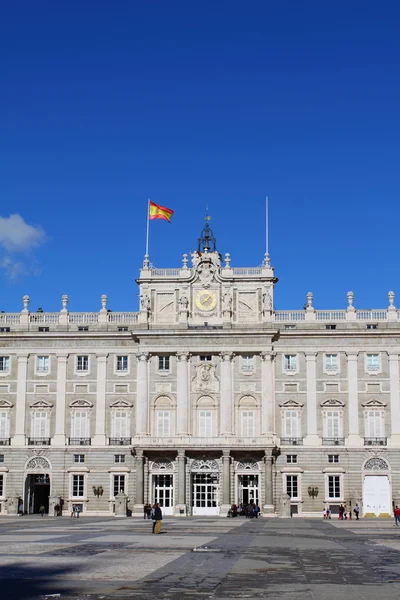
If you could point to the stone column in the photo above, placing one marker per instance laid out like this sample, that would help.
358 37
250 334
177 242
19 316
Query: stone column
182 394
138 506
99 438
354 438
180 506
226 399
394 399
268 508
20 409
312 438
60 434
268 395
226 490
142 395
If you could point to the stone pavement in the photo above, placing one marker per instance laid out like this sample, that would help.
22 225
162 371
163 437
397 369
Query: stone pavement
198 558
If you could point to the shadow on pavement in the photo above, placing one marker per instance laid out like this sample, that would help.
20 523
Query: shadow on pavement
29 582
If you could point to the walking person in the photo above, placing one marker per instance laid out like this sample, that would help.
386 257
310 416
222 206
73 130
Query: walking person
41 510
397 515
357 511
157 518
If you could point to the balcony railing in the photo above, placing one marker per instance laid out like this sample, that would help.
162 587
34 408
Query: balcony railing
4 441
38 441
120 441
292 441
333 441
375 441
79 441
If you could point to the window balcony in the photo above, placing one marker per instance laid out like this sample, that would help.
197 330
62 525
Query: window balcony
333 441
4 441
38 441
292 441
79 441
371 441
119 441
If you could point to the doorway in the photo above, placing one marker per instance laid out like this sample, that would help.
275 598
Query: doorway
376 496
205 487
37 492
163 492
248 489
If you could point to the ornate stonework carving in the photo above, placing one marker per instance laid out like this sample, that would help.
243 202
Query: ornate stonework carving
247 304
374 403
376 464
205 465
38 463
332 403
291 404
205 379
165 307
41 404
247 464
5 404
162 465
121 404
81 404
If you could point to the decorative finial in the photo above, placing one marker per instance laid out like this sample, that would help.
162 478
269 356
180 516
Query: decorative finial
350 298
391 298
64 301
184 261
227 260
146 262
25 300
266 261
309 299
103 302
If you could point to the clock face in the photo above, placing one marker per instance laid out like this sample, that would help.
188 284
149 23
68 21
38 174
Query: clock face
206 300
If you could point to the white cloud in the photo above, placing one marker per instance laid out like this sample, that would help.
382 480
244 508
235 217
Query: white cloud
18 236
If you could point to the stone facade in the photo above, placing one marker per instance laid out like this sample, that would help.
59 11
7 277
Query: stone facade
205 397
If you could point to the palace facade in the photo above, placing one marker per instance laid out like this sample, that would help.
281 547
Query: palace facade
205 397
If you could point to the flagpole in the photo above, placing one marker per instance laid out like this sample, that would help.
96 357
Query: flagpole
146 256
266 257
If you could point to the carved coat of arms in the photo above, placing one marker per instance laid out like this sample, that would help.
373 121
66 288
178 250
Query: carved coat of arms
205 379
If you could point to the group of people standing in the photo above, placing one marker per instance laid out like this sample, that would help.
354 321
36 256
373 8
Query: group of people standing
344 513
155 514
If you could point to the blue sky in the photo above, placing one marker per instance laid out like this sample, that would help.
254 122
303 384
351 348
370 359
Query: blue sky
106 104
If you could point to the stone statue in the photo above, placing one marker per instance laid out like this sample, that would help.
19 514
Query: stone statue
145 302
227 301
183 302
267 301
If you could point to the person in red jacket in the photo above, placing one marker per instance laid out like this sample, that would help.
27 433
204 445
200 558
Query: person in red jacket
397 515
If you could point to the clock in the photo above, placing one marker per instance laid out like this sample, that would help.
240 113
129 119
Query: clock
206 300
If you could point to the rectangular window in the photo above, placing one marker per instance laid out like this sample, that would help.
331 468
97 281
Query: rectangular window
290 327
333 458
372 326
4 424
82 363
372 362
248 364
79 458
120 424
292 486
333 487
163 363
291 459
40 424
292 425
333 424
374 424
206 357
80 424
331 362
83 328
1 485
205 423
119 458
119 484
330 326
1 458
5 329
163 423
42 364
78 486
4 364
122 363
43 329
290 362
248 423
122 329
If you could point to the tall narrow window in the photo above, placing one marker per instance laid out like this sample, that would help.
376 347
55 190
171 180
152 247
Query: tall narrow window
205 423
122 364
4 364
163 423
120 424
163 363
333 424
80 424
40 424
1 486
373 362
292 424
331 362
78 486
292 488
248 364
374 423
333 487
4 425
248 423
118 484
82 363
290 362
42 364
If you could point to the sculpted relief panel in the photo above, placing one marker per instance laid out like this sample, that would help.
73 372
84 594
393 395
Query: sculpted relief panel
165 307
205 379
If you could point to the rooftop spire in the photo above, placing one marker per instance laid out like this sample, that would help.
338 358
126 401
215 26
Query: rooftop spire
207 242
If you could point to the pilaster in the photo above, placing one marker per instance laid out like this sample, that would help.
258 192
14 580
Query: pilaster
312 438
59 434
99 438
180 506
142 395
394 399
268 508
226 402
182 395
268 395
354 438
19 437
226 476
139 500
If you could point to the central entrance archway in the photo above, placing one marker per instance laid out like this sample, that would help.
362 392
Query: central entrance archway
162 485
37 484
376 488
205 487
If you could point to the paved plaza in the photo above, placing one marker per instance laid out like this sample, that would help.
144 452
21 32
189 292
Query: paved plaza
198 558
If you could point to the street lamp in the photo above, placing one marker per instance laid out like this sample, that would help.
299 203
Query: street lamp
312 491
98 491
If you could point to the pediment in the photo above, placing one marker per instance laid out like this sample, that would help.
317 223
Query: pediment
291 404
374 403
5 404
332 403
41 404
80 404
120 403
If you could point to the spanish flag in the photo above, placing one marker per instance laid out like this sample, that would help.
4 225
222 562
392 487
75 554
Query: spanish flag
159 212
